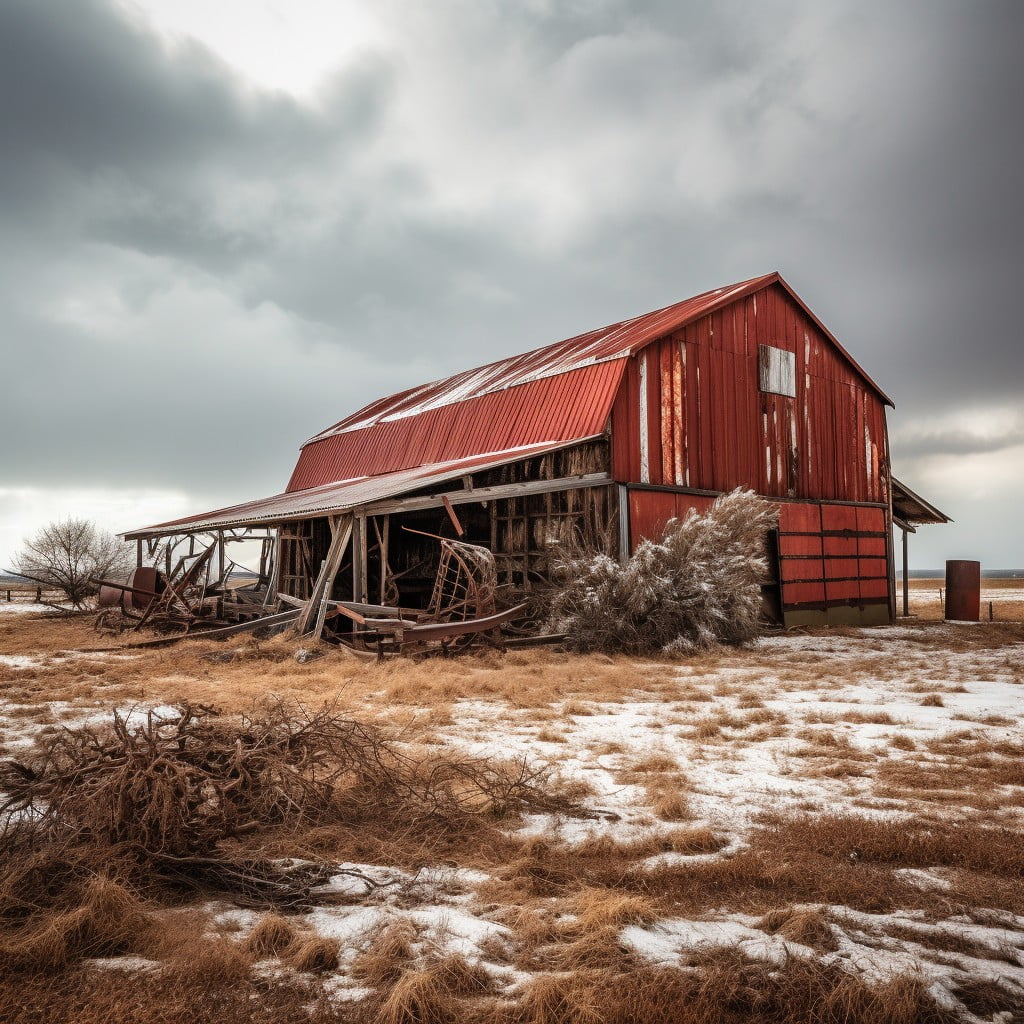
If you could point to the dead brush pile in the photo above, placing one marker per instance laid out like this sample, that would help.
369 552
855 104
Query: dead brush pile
699 586
154 802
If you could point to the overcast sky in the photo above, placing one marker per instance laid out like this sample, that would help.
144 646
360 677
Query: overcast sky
225 224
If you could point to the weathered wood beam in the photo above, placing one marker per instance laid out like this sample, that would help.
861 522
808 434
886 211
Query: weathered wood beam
341 533
418 502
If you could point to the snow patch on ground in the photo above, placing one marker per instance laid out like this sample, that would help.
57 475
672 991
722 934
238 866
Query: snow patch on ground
19 661
866 947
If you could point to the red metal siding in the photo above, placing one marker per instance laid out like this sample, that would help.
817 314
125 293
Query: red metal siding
709 427
649 511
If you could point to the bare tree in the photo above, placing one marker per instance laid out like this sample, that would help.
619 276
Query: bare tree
66 554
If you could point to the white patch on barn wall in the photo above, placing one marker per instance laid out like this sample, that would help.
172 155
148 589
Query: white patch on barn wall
792 445
807 422
767 447
645 458
777 370
867 453
682 409
779 449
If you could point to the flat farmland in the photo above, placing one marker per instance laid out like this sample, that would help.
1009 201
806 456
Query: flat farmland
826 825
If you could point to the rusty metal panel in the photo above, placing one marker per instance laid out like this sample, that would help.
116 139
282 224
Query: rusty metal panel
808 592
644 418
874 589
550 409
649 511
872 547
342 495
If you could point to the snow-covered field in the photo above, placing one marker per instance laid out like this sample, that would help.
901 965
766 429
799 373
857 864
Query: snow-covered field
679 769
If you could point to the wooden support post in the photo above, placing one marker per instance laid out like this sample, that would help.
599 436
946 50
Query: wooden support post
138 554
623 524
275 568
890 553
906 577
341 533
357 524
382 550
363 594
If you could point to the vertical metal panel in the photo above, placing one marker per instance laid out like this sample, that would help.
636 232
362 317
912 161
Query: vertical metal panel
678 414
645 430
649 511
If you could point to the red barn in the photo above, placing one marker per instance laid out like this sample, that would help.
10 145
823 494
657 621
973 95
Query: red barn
604 437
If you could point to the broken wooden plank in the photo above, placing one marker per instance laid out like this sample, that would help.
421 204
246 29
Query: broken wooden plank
441 630
447 502
341 533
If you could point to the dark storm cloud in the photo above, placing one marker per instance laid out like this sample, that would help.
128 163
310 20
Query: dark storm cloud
961 441
493 177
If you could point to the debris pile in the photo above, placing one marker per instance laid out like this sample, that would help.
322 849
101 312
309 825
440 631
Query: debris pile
171 799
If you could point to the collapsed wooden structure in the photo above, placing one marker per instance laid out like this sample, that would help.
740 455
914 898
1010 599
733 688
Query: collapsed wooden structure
598 441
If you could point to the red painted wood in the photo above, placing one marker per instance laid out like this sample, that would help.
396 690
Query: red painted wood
840 546
804 593
800 545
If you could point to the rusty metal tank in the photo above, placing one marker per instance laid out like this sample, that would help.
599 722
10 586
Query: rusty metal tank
963 590
142 584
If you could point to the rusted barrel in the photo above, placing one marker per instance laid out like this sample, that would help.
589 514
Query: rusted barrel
963 590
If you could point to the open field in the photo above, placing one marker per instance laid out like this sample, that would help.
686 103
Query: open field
1005 595
827 826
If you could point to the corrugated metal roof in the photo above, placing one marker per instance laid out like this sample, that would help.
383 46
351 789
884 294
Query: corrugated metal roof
912 508
341 495
561 408
563 391
613 342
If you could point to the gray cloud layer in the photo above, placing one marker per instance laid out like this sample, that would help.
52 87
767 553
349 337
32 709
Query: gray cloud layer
184 257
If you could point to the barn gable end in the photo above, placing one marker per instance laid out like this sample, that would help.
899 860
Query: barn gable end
691 413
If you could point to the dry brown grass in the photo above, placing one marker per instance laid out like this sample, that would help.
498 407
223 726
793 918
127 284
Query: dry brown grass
818 859
271 936
671 805
388 955
565 906
114 997
436 994
601 908
104 917
901 741
807 925
723 988
212 964
314 953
